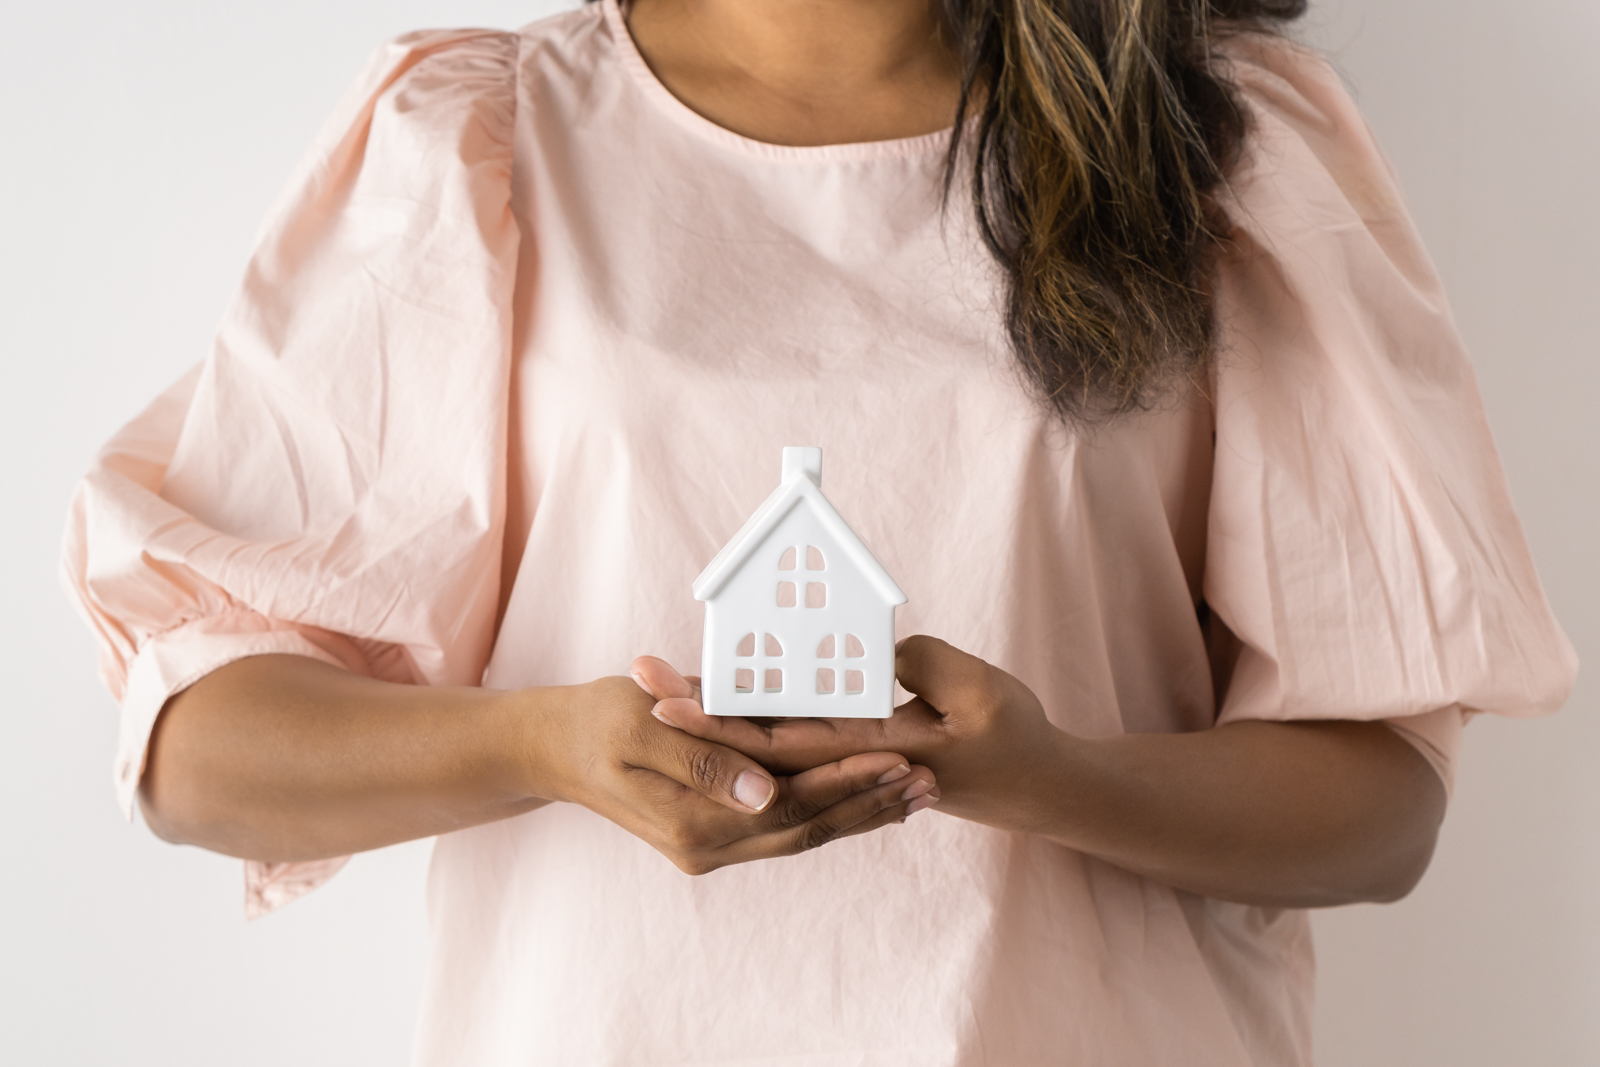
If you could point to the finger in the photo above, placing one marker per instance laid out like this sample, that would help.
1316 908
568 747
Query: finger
838 819
660 679
730 778
711 826
899 813
799 743
941 674
685 713
811 792
790 746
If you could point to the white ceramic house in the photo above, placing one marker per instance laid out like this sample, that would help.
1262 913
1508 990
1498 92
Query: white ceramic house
799 615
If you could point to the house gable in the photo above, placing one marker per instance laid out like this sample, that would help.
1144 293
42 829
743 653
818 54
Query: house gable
797 490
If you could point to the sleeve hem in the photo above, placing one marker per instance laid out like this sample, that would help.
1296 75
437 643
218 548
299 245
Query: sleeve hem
1437 737
269 886
172 661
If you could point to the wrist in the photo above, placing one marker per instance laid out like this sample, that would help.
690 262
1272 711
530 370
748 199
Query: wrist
1058 789
528 740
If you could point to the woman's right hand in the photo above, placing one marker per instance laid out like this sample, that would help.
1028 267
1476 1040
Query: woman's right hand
283 758
703 805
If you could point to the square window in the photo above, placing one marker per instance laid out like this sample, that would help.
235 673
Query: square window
855 682
744 680
816 594
785 594
774 681
824 679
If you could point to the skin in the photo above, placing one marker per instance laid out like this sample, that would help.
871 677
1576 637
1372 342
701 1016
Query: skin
284 758
280 758
1276 814
804 72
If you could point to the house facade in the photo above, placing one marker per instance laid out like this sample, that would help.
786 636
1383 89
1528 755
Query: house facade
799 614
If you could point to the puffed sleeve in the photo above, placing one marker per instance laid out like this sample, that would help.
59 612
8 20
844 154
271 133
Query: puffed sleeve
330 481
1363 554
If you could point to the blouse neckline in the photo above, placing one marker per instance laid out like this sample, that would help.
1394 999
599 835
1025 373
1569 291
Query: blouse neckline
633 61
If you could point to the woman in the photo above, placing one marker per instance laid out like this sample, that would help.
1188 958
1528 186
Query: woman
1128 363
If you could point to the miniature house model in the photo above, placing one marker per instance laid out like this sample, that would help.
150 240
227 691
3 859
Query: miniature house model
799 615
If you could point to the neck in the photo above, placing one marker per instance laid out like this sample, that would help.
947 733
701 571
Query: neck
804 72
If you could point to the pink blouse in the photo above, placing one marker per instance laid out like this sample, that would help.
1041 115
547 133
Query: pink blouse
517 354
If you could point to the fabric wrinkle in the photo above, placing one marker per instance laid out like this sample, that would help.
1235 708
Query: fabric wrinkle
516 355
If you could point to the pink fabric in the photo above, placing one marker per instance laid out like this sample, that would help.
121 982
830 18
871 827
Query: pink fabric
1437 736
517 355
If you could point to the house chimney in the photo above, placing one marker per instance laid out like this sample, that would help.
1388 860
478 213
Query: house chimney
805 460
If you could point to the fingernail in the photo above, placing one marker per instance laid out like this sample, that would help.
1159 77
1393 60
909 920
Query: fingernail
920 803
916 789
639 681
753 790
655 709
899 772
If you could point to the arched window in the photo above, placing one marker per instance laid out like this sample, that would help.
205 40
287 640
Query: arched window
855 682
744 678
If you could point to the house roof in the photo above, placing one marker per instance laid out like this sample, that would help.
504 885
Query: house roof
801 485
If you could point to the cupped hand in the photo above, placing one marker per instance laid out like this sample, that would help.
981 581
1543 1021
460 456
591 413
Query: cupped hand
700 803
981 730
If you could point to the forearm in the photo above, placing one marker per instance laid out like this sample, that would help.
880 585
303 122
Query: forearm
286 758
1279 814
280 758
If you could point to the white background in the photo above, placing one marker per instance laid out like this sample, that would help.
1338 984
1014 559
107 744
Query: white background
140 143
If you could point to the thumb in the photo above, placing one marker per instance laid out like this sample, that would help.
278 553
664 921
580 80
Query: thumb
948 679
660 679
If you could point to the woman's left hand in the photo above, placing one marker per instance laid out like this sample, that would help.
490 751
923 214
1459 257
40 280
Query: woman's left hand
982 732
1278 814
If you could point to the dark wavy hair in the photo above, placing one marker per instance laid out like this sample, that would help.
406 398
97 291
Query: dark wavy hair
1103 127
1102 130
